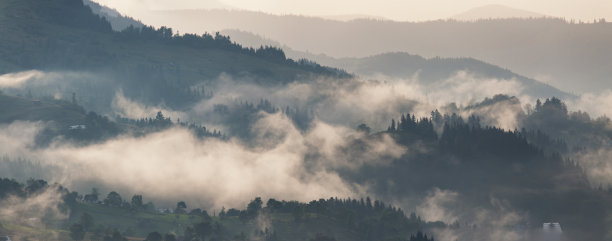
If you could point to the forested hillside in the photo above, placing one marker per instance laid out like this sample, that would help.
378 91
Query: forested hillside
140 133
155 65
95 216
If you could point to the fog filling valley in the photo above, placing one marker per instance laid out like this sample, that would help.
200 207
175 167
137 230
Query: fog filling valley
279 159
221 123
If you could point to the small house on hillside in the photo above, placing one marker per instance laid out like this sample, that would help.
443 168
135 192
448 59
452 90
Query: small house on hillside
551 232
165 210
77 127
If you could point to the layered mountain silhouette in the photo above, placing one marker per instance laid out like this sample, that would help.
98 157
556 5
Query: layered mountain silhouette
573 56
400 65
495 11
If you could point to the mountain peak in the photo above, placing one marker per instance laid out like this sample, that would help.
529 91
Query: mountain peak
495 11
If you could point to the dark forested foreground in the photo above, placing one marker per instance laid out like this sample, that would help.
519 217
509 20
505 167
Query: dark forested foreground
95 216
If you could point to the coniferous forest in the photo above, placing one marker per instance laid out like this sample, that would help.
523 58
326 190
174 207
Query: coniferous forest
118 128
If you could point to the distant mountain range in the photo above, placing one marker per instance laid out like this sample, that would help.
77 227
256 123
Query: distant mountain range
495 11
400 65
393 64
575 57
185 4
351 17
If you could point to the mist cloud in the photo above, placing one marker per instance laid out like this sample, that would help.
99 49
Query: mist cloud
505 113
436 205
18 137
42 79
340 102
496 221
373 102
35 210
596 104
173 164
376 102
16 80
597 165
286 162
125 107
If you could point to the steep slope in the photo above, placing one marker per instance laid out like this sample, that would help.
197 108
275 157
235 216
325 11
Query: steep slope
68 24
154 65
117 21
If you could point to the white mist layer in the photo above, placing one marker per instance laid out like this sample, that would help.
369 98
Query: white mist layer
16 80
497 221
596 104
37 78
125 107
375 103
34 210
173 164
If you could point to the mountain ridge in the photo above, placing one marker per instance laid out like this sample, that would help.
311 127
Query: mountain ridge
117 20
148 64
554 49
495 11
404 65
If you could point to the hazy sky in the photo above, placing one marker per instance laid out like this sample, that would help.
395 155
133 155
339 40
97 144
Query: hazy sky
413 10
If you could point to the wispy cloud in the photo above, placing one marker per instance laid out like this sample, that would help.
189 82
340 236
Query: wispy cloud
16 80
211 172
125 107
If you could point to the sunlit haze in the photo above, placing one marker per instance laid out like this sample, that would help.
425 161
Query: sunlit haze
399 10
